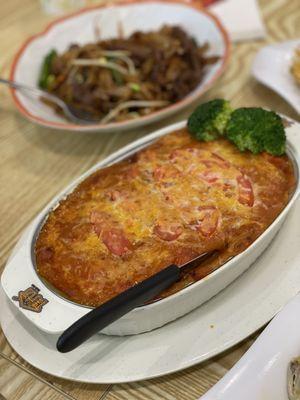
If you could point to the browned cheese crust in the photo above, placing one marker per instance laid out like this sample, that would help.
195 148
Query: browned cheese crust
169 203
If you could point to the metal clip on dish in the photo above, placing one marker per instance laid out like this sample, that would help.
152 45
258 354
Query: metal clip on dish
107 313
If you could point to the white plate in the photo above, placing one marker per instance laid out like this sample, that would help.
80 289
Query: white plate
271 67
133 15
239 310
261 373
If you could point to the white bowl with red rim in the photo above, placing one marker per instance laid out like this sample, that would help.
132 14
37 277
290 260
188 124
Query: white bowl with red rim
133 15
58 313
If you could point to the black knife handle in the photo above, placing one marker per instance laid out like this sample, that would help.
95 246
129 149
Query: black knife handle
104 315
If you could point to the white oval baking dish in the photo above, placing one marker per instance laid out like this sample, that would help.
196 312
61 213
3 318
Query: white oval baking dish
58 313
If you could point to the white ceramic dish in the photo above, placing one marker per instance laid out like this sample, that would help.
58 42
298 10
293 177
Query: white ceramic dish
236 312
134 15
59 313
261 373
271 67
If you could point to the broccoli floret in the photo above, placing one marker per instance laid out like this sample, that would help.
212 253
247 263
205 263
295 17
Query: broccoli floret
209 120
257 130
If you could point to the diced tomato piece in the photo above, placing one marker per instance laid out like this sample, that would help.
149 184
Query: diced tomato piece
209 176
116 241
245 191
221 160
208 163
113 195
98 221
158 173
208 220
97 217
168 231
187 153
183 255
215 160
228 186
131 173
113 237
175 154
278 161
45 254
165 172
211 163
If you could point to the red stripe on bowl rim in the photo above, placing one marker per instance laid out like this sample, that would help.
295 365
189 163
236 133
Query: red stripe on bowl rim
195 4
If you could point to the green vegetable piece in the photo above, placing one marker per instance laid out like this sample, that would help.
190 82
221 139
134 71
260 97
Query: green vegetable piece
135 87
45 71
117 77
50 80
209 120
257 130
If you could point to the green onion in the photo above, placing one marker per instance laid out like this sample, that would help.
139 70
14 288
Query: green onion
135 87
50 80
45 72
117 77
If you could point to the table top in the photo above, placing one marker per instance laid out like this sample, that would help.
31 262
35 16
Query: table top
36 163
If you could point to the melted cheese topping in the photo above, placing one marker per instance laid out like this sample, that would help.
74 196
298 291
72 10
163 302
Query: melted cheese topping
169 203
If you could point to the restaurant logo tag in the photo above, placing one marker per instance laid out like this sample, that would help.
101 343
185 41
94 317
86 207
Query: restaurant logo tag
30 299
